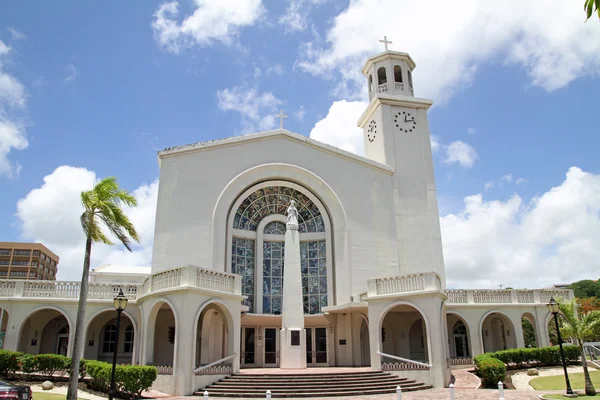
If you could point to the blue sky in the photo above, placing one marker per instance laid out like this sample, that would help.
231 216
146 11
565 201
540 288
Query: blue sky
104 86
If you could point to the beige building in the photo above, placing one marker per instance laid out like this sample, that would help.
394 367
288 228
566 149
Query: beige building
30 261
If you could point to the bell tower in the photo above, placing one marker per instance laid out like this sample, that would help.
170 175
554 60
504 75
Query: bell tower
396 134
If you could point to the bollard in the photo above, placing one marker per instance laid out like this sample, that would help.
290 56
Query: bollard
205 395
501 389
398 393
268 394
451 391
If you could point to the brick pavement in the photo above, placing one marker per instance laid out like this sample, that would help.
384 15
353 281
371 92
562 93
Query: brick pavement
465 380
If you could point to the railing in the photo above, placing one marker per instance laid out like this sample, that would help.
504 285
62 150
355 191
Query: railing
403 284
506 296
382 88
403 365
195 277
209 279
399 86
461 361
7 288
363 296
167 279
592 350
164 369
217 367
108 291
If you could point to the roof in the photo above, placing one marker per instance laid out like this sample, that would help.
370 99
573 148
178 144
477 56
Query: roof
394 55
266 135
122 269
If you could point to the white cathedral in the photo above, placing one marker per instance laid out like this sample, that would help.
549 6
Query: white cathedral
357 279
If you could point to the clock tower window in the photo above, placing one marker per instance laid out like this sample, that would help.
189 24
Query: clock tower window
370 84
410 82
397 74
381 80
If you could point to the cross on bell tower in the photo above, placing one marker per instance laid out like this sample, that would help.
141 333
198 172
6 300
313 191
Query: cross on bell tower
281 116
385 42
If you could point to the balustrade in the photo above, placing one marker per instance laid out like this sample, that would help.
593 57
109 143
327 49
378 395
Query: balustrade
382 88
399 86
215 280
457 296
492 296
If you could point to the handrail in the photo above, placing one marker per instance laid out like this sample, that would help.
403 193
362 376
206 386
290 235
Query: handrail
404 359
214 363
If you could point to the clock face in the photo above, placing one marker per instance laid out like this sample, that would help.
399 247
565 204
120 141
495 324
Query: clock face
405 121
371 131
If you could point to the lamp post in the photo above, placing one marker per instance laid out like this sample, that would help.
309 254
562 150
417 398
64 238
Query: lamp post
120 303
554 309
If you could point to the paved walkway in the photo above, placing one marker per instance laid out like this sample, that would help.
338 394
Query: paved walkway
465 380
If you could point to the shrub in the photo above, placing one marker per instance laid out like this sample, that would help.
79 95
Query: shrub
45 364
9 362
129 379
491 370
545 355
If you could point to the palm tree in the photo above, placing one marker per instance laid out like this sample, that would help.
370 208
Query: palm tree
102 207
591 6
582 327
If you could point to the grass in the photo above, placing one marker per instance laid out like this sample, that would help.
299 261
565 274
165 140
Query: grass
557 382
48 396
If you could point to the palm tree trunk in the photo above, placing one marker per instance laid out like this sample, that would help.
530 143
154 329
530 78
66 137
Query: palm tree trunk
79 328
589 387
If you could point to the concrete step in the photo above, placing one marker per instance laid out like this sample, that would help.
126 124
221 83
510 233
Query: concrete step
311 385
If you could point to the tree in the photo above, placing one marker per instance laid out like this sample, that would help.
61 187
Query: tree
102 208
588 304
582 327
528 333
591 6
585 288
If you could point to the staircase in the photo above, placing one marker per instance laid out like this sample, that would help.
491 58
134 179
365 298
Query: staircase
344 384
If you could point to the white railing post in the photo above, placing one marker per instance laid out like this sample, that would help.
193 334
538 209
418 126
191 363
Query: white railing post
470 297
268 394
398 393
372 288
451 387
501 389
205 395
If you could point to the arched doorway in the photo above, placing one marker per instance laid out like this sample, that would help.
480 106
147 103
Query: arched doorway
530 335
45 331
164 337
365 345
458 337
498 332
101 338
3 326
404 334
213 336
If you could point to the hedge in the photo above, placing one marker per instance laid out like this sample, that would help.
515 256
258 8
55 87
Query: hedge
491 370
130 380
547 356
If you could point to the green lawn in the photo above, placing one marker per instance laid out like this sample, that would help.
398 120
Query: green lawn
557 382
48 396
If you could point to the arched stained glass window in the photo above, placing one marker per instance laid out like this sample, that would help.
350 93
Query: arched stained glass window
275 200
275 228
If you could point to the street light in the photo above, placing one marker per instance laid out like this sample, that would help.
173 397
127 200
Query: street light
120 303
553 307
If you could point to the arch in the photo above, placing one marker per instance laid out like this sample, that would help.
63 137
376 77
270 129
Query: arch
381 76
370 83
460 346
27 318
229 322
410 81
365 345
319 188
402 340
398 74
527 331
417 342
150 352
498 333
4 324
95 328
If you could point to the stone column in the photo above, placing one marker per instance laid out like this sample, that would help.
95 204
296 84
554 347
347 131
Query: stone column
292 336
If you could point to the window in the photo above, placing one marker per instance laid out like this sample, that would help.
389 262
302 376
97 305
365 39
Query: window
370 83
4 262
460 329
397 73
242 263
313 265
275 228
381 76
33 275
36 253
109 338
273 256
5 252
18 273
22 252
128 340
3 273
20 263
410 83
34 263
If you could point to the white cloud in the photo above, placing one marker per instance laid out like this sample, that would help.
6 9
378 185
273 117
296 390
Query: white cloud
276 69
256 109
339 128
436 144
12 133
210 22
71 74
550 239
16 34
521 181
461 153
471 131
545 40
508 178
296 14
50 214
489 185
300 113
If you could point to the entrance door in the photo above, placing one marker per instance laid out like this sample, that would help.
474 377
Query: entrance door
462 346
316 347
271 347
62 344
248 346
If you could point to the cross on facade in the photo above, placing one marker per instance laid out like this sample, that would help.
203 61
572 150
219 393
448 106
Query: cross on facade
281 116
385 42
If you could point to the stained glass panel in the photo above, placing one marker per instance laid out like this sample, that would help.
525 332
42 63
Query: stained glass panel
313 266
273 254
242 263
275 200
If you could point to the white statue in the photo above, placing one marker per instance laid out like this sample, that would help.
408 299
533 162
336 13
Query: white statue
292 216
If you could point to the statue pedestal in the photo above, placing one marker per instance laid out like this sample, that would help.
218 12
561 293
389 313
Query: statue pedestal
292 348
